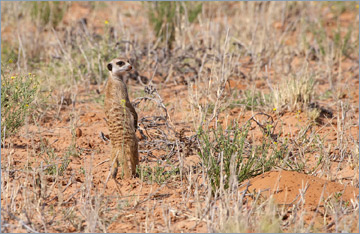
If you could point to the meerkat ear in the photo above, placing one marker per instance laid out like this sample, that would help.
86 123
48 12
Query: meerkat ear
109 66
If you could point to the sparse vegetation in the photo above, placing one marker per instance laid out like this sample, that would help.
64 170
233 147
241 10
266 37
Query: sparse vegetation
246 124
229 159
17 96
156 174
294 93
167 17
47 13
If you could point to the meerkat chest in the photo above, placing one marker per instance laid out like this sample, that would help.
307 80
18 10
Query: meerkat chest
116 93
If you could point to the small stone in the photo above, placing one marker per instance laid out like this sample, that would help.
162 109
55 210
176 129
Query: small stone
78 132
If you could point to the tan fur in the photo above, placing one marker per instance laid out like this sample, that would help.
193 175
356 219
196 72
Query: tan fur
122 122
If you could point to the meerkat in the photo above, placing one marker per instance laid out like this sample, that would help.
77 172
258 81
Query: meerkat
122 121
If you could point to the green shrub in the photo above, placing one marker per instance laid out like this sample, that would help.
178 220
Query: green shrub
166 16
9 52
252 100
231 150
17 95
47 13
156 174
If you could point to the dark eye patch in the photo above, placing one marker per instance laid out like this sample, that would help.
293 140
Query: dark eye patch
120 63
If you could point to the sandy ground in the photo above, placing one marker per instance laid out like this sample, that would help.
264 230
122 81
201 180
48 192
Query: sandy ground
142 203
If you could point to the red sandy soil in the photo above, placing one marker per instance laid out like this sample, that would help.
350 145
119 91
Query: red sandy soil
286 185
153 197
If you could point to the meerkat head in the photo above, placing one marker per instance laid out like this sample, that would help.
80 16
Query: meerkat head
119 66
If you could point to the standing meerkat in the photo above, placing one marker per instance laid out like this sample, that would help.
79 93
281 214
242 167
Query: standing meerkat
122 120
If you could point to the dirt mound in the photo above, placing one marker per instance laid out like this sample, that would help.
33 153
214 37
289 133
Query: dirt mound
286 187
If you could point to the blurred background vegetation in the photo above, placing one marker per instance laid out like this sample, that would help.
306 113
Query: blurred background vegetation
66 43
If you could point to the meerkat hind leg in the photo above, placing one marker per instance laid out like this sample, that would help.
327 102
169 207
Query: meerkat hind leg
123 163
134 161
114 163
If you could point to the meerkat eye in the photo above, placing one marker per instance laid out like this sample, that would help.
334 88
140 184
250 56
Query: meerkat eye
109 66
120 63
